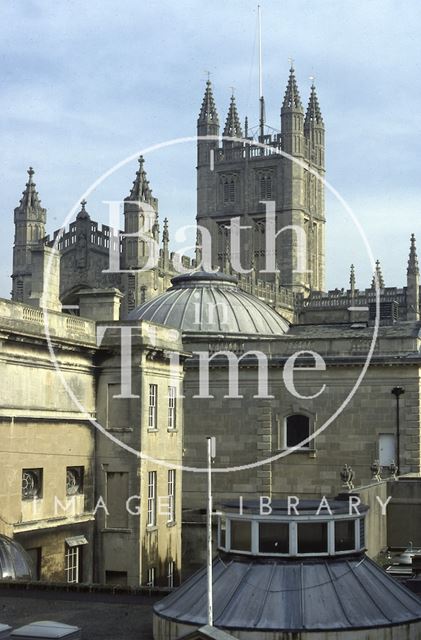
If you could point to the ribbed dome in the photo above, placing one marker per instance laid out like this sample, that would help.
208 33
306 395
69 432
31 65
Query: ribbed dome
15 564
201 302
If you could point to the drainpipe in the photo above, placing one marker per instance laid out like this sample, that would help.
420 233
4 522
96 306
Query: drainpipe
397 392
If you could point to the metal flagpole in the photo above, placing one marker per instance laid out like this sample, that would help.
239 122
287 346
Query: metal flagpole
259 19
261 98
211 455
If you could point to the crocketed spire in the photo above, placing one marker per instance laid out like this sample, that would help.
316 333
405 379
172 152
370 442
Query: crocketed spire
165 232
313 113
208 113
352 278
292 100
30 202
140 190
232 125
413 268
83 214
378 276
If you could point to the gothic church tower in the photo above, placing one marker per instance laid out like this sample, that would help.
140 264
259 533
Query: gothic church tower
140 247
29 218
236 178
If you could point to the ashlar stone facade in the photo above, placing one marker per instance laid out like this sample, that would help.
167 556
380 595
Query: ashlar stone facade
67 488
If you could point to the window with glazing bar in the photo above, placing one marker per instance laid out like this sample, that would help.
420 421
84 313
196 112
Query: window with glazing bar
151 498
153 406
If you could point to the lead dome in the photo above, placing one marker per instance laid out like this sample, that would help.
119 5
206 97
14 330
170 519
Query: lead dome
15 564
211 303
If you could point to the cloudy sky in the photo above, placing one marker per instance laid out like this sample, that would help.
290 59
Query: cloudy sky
85 85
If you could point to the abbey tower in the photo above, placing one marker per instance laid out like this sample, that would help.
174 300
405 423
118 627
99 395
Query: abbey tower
235 177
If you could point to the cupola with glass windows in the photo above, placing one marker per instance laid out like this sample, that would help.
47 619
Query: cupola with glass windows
292 568
291 528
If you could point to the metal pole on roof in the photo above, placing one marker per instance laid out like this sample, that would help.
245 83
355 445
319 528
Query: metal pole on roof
211 455
261 98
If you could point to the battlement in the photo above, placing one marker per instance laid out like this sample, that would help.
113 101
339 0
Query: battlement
347 298
341 305
273 146
98 236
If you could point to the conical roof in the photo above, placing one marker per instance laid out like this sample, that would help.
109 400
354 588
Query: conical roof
313 114
30 203
292 100
232 125
141 190
208 113
291 596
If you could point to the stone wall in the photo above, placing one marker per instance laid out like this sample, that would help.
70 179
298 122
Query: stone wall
42 429
125 543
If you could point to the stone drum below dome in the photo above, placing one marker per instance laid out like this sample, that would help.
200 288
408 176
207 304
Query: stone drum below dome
211 303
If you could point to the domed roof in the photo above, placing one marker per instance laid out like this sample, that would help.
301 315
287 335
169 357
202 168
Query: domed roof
200 302
313 595
15 564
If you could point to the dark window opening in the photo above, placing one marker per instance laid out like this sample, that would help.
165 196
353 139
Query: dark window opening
297 430
312 537
222 532
362 533
273 537
240 535
344 535
36 557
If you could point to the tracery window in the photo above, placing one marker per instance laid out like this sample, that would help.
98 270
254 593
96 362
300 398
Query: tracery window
265 187
229 189
31 484
74 480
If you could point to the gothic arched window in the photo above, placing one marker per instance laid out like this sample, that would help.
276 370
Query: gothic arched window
229 189
297 429
232 190
265 186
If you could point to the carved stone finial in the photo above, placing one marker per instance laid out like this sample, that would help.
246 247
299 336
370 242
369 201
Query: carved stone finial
376 470
352 279
378 279
165 233
413 268
393 467
347 477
